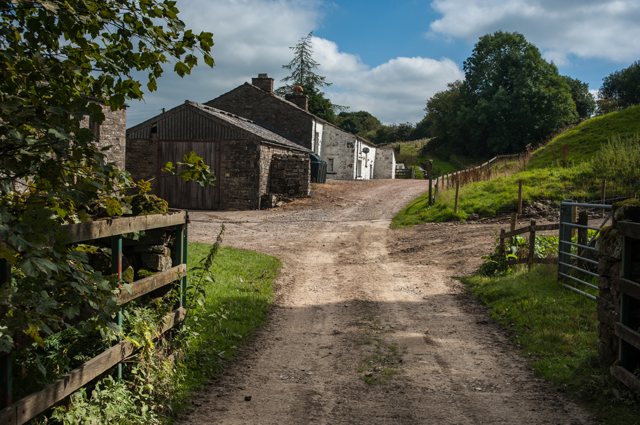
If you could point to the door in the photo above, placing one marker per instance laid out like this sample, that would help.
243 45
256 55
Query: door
189 195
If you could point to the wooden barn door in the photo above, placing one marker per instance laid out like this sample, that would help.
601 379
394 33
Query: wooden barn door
189 195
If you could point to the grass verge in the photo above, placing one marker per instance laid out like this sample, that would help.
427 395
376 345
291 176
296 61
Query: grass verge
555 329
236 306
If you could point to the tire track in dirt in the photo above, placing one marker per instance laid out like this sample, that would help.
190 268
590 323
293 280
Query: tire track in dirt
344 273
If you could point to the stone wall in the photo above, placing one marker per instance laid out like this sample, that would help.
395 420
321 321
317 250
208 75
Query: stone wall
268 109
266 153
142 160
290 175
385 164
611 266
240 175
112 132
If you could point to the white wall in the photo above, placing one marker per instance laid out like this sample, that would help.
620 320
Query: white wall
385 164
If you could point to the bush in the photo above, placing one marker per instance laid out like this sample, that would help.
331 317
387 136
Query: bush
618 160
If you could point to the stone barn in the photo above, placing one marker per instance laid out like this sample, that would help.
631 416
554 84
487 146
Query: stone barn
347 155
249 161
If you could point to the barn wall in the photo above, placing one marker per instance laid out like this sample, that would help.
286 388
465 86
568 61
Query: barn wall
266 154
240 175
142 160
290 175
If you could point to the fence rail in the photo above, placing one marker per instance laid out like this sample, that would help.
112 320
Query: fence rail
29 407
531 229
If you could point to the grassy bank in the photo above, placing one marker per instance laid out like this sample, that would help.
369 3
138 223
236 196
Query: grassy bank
497 196
555 329
579 144
236 306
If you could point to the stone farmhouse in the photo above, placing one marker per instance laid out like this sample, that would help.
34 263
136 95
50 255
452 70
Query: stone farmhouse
250 162
112 133
348 156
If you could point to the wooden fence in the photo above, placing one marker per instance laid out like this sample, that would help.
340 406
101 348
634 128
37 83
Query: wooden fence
29 407
531 229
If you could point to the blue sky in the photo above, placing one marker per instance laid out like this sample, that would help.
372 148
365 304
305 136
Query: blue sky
388 58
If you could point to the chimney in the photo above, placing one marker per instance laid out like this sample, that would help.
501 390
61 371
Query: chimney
263 82
300 100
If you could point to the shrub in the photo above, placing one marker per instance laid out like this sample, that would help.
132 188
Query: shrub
618 160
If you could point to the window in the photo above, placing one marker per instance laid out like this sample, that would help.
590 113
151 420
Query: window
330 165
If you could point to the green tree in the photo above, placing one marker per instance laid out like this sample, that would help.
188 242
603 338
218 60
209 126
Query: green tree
582 97
443 110
358 122
620 89
302 66
56 54
512 96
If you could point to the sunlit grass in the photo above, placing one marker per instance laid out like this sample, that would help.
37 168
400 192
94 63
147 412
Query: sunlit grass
556 330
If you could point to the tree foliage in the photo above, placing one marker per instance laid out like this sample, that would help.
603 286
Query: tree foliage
55 55
358 122
302 66
620 89
511 97
582 97
302 74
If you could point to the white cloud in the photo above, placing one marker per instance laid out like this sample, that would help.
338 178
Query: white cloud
394 92
253 36
601 29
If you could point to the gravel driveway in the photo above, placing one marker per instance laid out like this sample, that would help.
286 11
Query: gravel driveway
369 325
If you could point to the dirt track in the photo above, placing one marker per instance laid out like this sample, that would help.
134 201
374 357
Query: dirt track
359 302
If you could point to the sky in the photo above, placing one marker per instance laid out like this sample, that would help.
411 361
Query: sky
390 57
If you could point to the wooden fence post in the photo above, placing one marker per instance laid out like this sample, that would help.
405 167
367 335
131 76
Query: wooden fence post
501 249
116 269
603 193
413 173
514 222
520 198
455 208
430 182
6 378
532 243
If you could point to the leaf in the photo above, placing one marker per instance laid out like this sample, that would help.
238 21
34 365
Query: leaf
40 366
8 255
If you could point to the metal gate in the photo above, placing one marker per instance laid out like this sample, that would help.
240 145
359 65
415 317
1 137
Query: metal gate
189 195
565 263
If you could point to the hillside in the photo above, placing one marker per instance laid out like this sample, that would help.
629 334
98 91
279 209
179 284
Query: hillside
584 140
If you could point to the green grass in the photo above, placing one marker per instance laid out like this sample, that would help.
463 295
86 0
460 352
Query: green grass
236 305
585 139
496 196
555 329
412 150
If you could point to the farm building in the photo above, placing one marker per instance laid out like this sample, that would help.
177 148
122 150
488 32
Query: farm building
249 162
347 155
111 133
